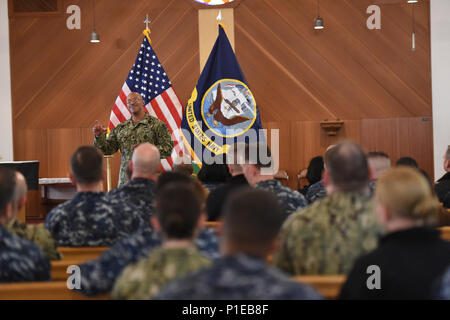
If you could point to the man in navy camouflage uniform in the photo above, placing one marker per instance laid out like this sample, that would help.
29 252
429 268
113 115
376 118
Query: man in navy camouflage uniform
20 259
140 191
291 200
98 276
327 236
252 219
141 127
91 218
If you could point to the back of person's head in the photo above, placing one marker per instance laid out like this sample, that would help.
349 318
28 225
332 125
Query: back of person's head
184 168
234 157
407 161
252 219
447 159
20 192
168 177
145 161
87 165
379 162
315 170
178 209
405 192
258 154
214 173
7 187
347 167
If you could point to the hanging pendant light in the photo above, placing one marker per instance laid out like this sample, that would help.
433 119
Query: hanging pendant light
413 37
413 1
95 38
318 23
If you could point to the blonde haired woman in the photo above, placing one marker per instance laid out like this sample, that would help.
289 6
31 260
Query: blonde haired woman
411 256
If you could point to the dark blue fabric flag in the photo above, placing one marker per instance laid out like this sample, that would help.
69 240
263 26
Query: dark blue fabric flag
222 109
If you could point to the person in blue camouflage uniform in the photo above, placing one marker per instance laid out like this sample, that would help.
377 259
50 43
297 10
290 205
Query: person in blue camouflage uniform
443 286
291 200
20 259
98 276
140 191
316 192
327 236
140 128
91 218
242 273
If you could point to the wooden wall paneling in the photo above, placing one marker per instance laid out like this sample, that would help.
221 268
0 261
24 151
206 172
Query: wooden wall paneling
61 144
284 134
207 27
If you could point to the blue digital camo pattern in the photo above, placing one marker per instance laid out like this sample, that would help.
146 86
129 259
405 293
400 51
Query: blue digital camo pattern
92 219
291 200
238 277
316 192
444 286
140 192
98 276
21 260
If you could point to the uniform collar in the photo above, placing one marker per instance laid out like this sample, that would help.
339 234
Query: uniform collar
412 235
268 183
145 120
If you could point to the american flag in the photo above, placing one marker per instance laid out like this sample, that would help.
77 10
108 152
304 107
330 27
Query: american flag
148 78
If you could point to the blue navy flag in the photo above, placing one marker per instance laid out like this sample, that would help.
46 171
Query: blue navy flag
222 109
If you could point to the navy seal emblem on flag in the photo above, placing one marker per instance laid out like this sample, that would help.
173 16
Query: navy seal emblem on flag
229 108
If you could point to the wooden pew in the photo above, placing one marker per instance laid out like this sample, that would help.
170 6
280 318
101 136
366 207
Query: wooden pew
58 269
216 225
445 233
328 285
54 290
81 253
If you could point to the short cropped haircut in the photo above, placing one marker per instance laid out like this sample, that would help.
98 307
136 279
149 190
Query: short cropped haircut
178 208
7 187
168 177
377 154
347 166
87 165
252 219
407 161
258 154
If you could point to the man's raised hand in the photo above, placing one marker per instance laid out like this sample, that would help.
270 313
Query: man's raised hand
98 129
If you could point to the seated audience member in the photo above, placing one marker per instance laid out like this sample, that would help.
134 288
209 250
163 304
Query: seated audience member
253 170
447 200
317 191
411 256
313 174
140 191
327 236
213 175
252 219
442 286
20 259
91 218
98 276
407 161
379 162
178 218
217 197
37 234
442 187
